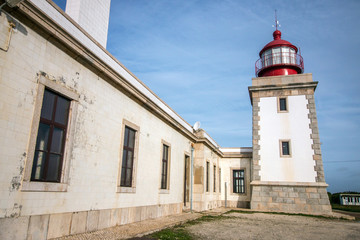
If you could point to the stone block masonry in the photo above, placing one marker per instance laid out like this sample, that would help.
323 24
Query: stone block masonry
63 224
299 198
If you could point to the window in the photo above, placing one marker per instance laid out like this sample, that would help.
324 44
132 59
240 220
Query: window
164 167
238 181
49 149
214 173
128 157
285 150
282 104
207 176
219 179
52 133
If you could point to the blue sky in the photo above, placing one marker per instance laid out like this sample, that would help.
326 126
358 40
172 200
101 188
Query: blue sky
198 56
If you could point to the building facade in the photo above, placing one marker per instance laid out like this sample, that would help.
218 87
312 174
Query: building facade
86 145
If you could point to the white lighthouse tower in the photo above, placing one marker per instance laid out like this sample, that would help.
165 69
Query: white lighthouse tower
287 169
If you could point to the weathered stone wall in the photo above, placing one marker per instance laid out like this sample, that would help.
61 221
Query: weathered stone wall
62 224
290 198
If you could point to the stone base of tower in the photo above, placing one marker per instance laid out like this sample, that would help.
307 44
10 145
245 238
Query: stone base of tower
290 197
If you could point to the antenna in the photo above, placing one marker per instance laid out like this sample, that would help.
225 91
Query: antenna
196 126
277 24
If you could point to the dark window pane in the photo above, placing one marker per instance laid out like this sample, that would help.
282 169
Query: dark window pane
129 159
123 172
126 136
285 148
38 166
47 105
53 167
131 138
124 158
42 138
282 104
57 140
62 110
128 177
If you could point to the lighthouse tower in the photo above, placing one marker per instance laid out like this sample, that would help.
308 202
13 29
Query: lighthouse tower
287 169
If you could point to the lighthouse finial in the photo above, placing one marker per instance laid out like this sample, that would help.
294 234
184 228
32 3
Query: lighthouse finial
277 24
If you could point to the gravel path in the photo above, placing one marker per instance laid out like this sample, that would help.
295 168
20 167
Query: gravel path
272 226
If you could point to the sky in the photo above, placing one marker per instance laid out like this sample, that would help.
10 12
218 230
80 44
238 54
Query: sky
199 57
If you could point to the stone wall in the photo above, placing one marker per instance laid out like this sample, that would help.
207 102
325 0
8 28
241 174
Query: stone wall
62 224
290 198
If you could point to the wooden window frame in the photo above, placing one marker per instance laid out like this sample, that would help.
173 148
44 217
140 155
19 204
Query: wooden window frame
232 181
167 175
281 141
136 128
286 104
62 183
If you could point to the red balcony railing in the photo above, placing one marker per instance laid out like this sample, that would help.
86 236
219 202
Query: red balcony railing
279 59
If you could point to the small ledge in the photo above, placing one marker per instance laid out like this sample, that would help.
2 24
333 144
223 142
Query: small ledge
295 184
126 190
43 187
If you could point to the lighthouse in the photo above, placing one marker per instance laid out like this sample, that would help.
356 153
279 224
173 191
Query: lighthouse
287 169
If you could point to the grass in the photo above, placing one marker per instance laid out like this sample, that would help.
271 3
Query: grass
179 232
346 208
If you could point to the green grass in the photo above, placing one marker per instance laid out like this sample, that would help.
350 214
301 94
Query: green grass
346 208
179 232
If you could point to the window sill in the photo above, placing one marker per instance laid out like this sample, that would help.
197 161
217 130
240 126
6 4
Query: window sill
164 191
43 187
126 190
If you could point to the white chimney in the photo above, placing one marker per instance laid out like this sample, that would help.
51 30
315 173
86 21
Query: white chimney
92 16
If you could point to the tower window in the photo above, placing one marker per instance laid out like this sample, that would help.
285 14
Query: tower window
282 104
285 150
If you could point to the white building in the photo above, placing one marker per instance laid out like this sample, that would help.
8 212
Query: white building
350 199
86 145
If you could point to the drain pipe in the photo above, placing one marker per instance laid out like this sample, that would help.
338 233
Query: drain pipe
191 177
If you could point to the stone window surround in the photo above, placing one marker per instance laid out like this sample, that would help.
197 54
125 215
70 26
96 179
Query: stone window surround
132 189
232 180
281 152
167 190
27 184
278 104
214 178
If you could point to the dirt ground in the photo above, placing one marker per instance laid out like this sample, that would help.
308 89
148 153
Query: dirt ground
272 226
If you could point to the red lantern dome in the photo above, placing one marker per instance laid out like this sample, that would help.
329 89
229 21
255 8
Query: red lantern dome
279 57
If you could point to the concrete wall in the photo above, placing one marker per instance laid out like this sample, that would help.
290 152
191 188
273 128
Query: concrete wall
95 153
292 125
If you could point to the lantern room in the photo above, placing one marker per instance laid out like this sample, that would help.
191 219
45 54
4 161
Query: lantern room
279 57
